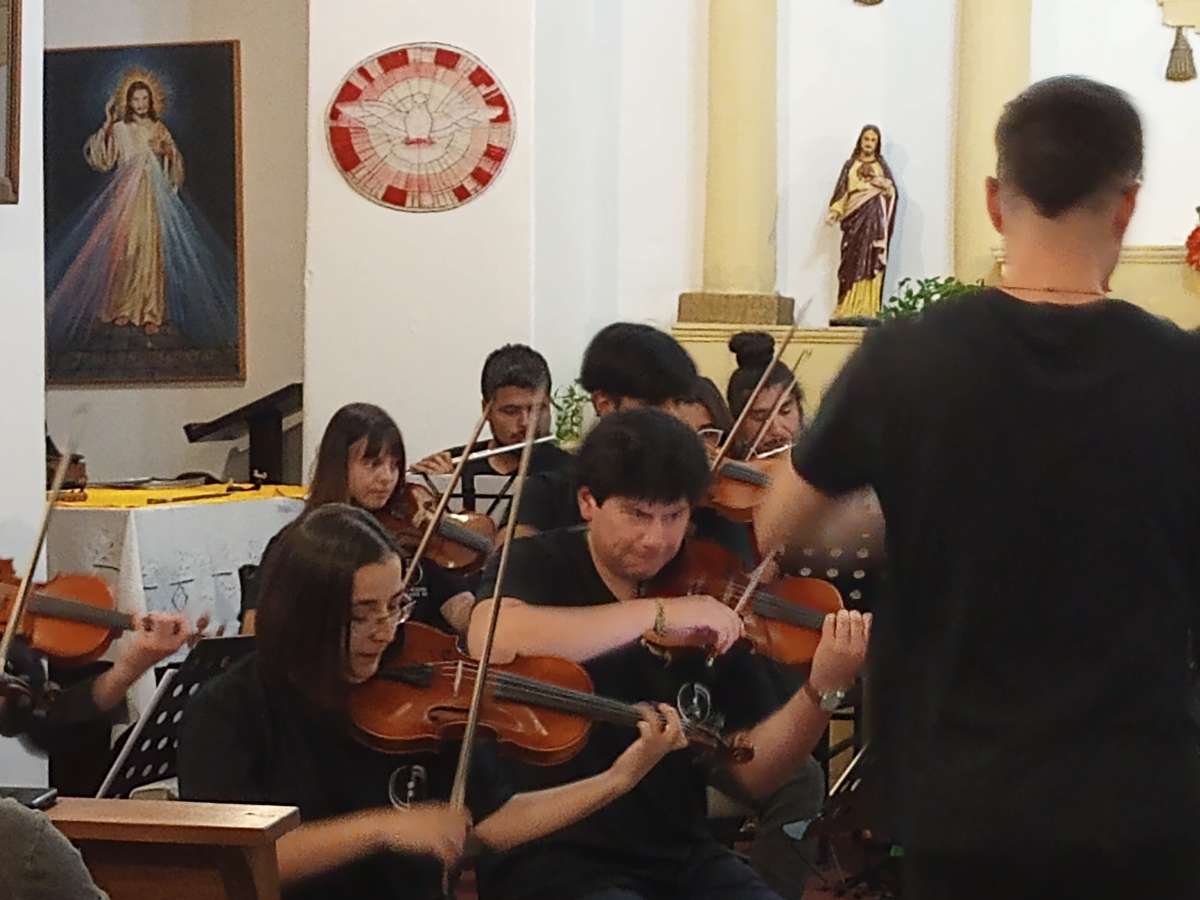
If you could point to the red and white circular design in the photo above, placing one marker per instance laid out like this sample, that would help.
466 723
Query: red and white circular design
421 127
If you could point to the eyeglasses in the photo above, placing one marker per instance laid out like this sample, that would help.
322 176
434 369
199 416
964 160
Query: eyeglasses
397 612
711 436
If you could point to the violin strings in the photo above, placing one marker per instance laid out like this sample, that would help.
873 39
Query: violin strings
777 607
541 689
523 688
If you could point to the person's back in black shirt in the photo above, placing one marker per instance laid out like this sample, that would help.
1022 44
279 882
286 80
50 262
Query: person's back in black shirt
657 832
1039 469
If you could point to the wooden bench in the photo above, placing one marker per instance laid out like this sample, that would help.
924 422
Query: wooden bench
147 849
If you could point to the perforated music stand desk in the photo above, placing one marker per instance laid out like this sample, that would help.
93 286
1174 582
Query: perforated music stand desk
149 752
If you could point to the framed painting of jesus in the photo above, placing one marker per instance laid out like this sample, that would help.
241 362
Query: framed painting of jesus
144 280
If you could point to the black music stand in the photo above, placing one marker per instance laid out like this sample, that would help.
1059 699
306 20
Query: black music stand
262 420
852 810
149 751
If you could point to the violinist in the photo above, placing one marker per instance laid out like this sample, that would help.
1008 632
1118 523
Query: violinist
361 460
516 381
578 594
74 724
755 351
626 365
274 729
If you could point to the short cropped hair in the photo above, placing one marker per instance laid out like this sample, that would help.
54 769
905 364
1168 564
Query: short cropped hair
627 359
513 365
1063 141
643 454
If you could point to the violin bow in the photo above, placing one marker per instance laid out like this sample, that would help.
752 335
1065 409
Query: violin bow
779 401
758 388
22 597
443 501
458 793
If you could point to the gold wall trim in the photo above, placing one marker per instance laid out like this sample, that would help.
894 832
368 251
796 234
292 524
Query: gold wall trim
1155 254
709 333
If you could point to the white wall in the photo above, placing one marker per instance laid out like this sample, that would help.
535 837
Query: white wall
22 452
139 431
401 308
621 94
843 65
1127 46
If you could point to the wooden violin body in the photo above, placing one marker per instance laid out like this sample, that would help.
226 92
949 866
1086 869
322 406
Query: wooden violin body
462 541
422 694
738 487
539 709
71 618
782 622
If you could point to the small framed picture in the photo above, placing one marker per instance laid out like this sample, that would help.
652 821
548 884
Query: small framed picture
10 98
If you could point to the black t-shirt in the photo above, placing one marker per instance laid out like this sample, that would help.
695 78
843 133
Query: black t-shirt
1038 466
549 501
657 830
544 458
240 743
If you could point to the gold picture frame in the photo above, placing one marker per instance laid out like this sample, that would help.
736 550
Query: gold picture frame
191 325
10 91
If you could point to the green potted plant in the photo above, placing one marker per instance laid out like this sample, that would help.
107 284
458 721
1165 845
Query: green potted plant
569 404
912 296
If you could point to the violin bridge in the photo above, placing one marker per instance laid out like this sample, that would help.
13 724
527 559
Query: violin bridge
458 675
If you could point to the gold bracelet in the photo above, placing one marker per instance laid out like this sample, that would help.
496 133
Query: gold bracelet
660 619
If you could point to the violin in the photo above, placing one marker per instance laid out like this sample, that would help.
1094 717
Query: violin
783 623
738 486
539 709
71 618
462 541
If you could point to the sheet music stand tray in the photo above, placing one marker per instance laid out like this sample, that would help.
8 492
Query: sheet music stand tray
149 752
262 421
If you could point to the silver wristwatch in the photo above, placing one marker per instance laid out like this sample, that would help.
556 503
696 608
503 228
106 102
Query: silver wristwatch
827 701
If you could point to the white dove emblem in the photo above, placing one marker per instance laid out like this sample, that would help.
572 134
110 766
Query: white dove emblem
411 122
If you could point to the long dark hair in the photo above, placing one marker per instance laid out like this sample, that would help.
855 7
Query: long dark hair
135 86
349 425
878 137
707 394
754 351
307 587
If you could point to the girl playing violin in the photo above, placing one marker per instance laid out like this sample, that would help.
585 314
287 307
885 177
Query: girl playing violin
754 351
274 729
360 461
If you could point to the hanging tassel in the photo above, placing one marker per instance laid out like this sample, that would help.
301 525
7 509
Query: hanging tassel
1182 66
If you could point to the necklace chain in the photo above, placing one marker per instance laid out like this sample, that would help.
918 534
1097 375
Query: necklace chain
1050 290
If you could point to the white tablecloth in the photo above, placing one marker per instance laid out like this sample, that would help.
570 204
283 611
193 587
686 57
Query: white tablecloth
174 557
